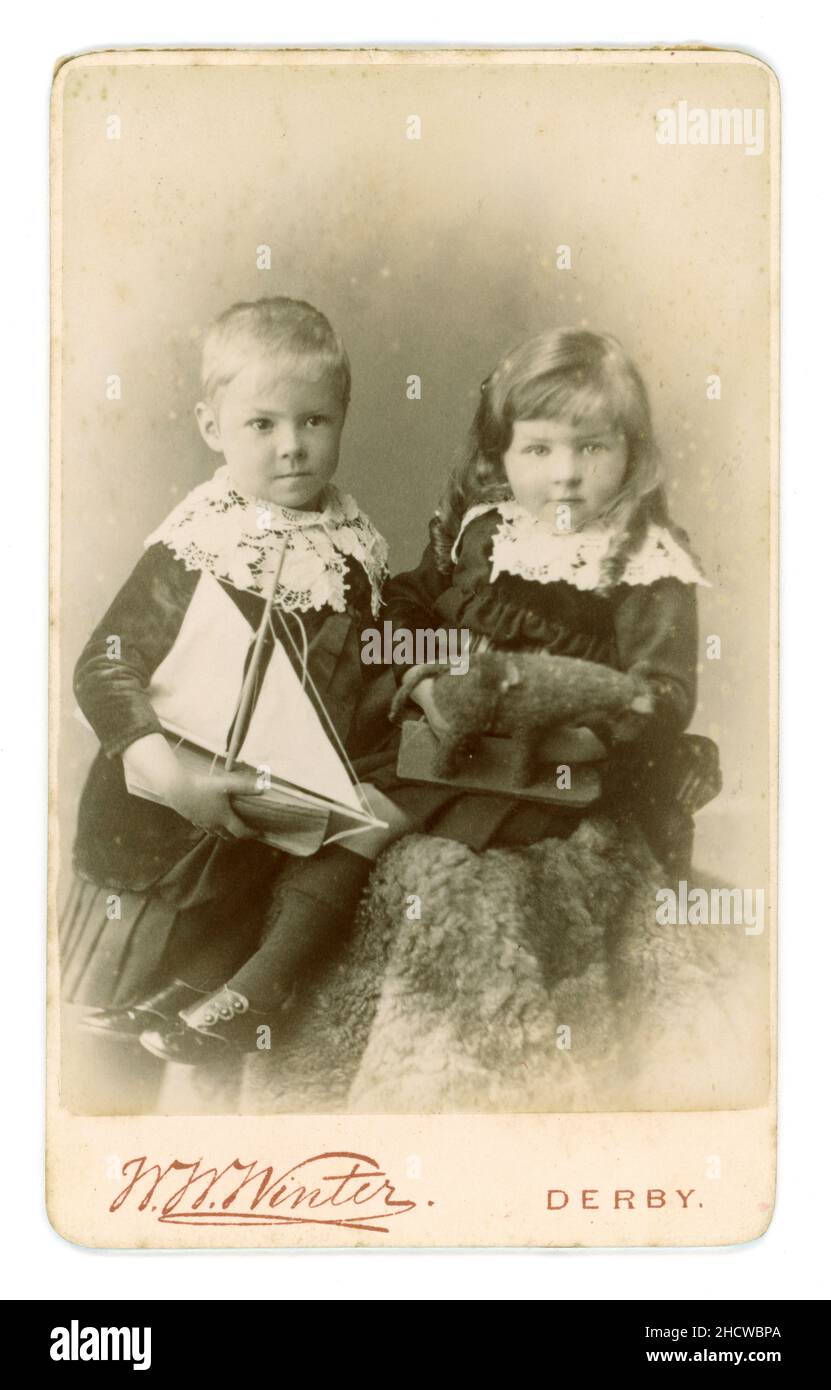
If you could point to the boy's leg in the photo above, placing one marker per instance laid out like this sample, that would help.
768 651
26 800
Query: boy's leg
316 909
213 939
317 905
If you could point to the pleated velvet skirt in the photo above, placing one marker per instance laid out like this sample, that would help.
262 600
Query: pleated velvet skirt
198 923
111 944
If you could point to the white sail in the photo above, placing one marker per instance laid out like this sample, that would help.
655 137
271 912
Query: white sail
286 736
195 691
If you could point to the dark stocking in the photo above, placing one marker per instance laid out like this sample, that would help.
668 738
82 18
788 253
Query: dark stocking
316 910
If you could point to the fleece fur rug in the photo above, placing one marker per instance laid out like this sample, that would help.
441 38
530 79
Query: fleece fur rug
534 979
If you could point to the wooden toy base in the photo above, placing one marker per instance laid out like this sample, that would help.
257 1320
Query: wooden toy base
492 768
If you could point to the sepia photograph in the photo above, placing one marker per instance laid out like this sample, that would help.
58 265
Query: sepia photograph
414 651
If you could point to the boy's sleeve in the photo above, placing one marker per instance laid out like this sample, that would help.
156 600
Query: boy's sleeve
135 634
656 633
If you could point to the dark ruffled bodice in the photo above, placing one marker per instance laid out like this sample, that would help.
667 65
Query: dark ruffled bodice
647 627
514 612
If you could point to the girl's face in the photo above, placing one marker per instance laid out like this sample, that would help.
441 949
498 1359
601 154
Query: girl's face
565 474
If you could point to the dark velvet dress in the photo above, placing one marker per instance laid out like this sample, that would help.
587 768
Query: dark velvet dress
648 627
148 888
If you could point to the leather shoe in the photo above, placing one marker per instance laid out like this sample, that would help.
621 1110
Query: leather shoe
219 1025
126 1025
185 1046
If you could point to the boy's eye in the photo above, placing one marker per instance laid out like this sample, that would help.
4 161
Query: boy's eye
316 420
538 449
261 424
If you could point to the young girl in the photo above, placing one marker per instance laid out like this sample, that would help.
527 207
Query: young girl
554 536
167 902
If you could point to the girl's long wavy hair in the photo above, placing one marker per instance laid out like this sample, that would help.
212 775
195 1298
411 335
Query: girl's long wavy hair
579 377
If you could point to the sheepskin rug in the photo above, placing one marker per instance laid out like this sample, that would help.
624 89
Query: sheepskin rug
533 979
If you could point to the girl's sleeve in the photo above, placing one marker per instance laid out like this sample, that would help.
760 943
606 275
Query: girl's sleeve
410 597
656 632
135 634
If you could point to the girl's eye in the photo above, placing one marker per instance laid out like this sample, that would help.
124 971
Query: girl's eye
538 449
595 447
316 420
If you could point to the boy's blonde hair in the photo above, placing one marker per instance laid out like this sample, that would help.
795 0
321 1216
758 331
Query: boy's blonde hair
290 331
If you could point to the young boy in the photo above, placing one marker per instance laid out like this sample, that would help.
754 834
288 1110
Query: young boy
275 390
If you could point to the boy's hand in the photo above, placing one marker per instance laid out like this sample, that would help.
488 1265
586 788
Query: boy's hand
206 801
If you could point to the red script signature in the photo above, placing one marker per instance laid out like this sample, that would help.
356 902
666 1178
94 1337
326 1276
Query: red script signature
327 1189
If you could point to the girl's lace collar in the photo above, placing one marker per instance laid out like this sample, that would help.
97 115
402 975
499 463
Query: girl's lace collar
240 539
524 547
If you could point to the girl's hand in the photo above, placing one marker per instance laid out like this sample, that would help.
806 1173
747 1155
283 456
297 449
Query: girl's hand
206 801
424 696
572 744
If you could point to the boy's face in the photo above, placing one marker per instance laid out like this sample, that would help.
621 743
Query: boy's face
280 434
565 474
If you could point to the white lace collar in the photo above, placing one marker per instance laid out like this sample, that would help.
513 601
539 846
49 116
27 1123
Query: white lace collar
239 539
523 547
